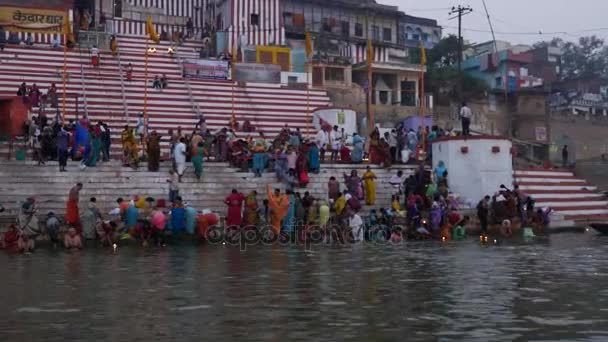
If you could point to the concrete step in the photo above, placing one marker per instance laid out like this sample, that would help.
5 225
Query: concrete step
543 172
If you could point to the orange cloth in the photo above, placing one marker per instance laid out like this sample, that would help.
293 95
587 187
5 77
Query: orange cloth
204 222
279 206
71 214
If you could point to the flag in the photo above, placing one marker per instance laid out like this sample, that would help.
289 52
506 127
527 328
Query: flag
235 53
151 31
370 51
67 30
308 45
422 54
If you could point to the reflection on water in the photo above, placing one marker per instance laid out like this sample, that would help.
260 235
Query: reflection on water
420 292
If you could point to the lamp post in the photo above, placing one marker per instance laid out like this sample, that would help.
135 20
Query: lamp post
149 51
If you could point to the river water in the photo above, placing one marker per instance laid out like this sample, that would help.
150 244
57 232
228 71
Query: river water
551 290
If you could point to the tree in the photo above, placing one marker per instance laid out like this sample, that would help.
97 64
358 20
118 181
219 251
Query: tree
555 42
585 58
442 73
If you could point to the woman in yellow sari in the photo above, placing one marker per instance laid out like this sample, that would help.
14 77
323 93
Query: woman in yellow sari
251 209
369 182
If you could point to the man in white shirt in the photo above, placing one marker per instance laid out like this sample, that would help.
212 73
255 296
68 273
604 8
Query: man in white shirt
335 140
397 181
465 117
95 56
179 154
355 223
321 140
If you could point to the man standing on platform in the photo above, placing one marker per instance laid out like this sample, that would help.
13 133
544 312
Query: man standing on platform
465 117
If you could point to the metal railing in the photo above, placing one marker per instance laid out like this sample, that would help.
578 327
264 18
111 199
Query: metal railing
195 106
122 86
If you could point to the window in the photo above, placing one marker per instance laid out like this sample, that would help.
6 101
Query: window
358 30
326 25
334 74
415 36
118 8
499 82
255 19
375 33
387 34
345 28
292 80
408 93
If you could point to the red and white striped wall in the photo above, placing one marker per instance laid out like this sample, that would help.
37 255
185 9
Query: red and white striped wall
39 38
567 195
138 28
359 53
180 8
269 29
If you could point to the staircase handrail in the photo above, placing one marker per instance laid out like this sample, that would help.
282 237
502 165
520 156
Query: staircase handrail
193 102
122 86
83 83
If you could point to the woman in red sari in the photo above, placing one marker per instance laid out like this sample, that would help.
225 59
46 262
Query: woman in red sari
235 204
375 154
302 169
72 216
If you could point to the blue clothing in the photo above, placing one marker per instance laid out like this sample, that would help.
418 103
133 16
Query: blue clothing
259 162
292 182
356 156
82 139
190 220
63 140
314 162
280 166
178 219
289 222
131 216
294 140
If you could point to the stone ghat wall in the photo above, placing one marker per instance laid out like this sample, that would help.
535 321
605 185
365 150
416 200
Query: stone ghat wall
108 181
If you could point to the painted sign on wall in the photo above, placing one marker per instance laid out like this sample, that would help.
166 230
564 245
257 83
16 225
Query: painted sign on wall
24 19
206 68
260 73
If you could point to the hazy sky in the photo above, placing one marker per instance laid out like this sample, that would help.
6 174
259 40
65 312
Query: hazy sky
517 21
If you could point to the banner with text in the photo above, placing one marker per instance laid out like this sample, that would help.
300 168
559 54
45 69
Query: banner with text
206 68
260 73
24 19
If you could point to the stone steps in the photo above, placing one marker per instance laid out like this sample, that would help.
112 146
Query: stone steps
107 182
572 199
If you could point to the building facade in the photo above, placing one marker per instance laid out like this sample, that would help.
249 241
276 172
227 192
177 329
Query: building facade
504 70
414 31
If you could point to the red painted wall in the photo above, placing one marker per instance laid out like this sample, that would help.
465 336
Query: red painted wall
13 113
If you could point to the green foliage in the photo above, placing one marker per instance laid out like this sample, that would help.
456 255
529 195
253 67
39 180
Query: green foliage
442 73
585 58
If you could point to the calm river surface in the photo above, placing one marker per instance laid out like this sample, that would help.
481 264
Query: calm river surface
553 290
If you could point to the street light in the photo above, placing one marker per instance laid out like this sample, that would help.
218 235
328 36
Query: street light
149 51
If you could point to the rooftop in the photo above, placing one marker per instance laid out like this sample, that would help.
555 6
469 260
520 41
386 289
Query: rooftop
410 19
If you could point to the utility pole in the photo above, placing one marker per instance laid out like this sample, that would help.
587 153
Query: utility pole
460 11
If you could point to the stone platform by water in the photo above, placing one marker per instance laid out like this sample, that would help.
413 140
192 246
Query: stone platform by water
108 181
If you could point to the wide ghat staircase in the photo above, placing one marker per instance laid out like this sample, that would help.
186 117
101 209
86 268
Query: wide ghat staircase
108 181
269 107
574 201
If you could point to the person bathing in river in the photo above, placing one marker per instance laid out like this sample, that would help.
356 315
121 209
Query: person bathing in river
72 240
